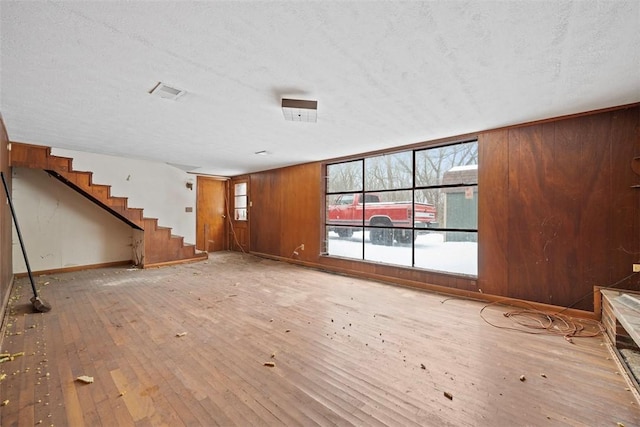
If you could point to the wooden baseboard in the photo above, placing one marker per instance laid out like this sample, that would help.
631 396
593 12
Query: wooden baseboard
75 268
3 311
200 257
438 289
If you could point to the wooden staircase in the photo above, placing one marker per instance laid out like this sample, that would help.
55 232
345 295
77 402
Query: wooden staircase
153 245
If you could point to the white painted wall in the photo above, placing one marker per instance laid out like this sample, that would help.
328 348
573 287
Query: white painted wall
61 228
160 189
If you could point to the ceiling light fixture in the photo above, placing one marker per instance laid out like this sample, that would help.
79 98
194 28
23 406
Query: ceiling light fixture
299 110
166 92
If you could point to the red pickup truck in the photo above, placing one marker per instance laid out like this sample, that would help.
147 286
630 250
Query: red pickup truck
348 209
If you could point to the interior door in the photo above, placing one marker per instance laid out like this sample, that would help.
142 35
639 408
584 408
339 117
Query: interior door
211 214
240 211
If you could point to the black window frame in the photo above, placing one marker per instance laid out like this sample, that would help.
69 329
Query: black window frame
413 188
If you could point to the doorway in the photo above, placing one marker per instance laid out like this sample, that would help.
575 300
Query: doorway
240 213
211 214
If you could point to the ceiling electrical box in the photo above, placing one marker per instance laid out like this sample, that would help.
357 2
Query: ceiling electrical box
299 110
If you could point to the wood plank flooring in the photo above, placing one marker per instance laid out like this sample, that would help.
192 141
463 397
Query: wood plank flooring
346 352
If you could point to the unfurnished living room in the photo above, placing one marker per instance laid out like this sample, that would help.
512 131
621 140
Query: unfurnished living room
299 213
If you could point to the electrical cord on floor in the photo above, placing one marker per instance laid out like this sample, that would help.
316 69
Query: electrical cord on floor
533 321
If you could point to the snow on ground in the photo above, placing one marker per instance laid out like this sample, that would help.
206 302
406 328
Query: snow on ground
432 252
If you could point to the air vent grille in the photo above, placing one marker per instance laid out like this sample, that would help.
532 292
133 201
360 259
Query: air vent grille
167 92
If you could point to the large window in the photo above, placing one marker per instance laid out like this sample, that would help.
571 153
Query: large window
414 208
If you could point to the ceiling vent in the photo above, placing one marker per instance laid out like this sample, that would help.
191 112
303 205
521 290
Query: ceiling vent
298 110
166 92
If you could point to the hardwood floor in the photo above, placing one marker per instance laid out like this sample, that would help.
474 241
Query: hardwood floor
187 345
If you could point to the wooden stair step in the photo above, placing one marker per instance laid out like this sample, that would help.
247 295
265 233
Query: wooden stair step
29 155
176 244
133 215
102 192
82 179
117 201
60 164
136 215
188 251
150 223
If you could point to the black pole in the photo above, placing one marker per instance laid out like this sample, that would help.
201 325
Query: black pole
15 221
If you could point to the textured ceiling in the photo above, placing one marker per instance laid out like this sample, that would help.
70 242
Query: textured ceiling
76 75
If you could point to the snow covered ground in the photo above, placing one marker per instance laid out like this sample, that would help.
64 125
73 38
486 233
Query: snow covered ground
432 252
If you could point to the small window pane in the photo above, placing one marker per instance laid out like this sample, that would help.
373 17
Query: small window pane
382 246
451 252
343 209
345 241
456 207
241 201
240 214
343 177
240 189
389 208
432 164
389 171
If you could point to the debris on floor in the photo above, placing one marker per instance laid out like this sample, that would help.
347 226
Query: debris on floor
422 366
448 395
269 364
523 378
181 334
543 375
85 379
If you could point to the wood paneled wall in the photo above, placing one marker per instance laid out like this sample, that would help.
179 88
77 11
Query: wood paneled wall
287 211
6 264
557 214
557 211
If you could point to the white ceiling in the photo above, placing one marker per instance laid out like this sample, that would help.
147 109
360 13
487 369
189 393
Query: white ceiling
76 75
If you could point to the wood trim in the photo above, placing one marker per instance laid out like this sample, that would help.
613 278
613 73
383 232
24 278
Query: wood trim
444 290
565 117
597 302
75 268
6 221
5 305
199 257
